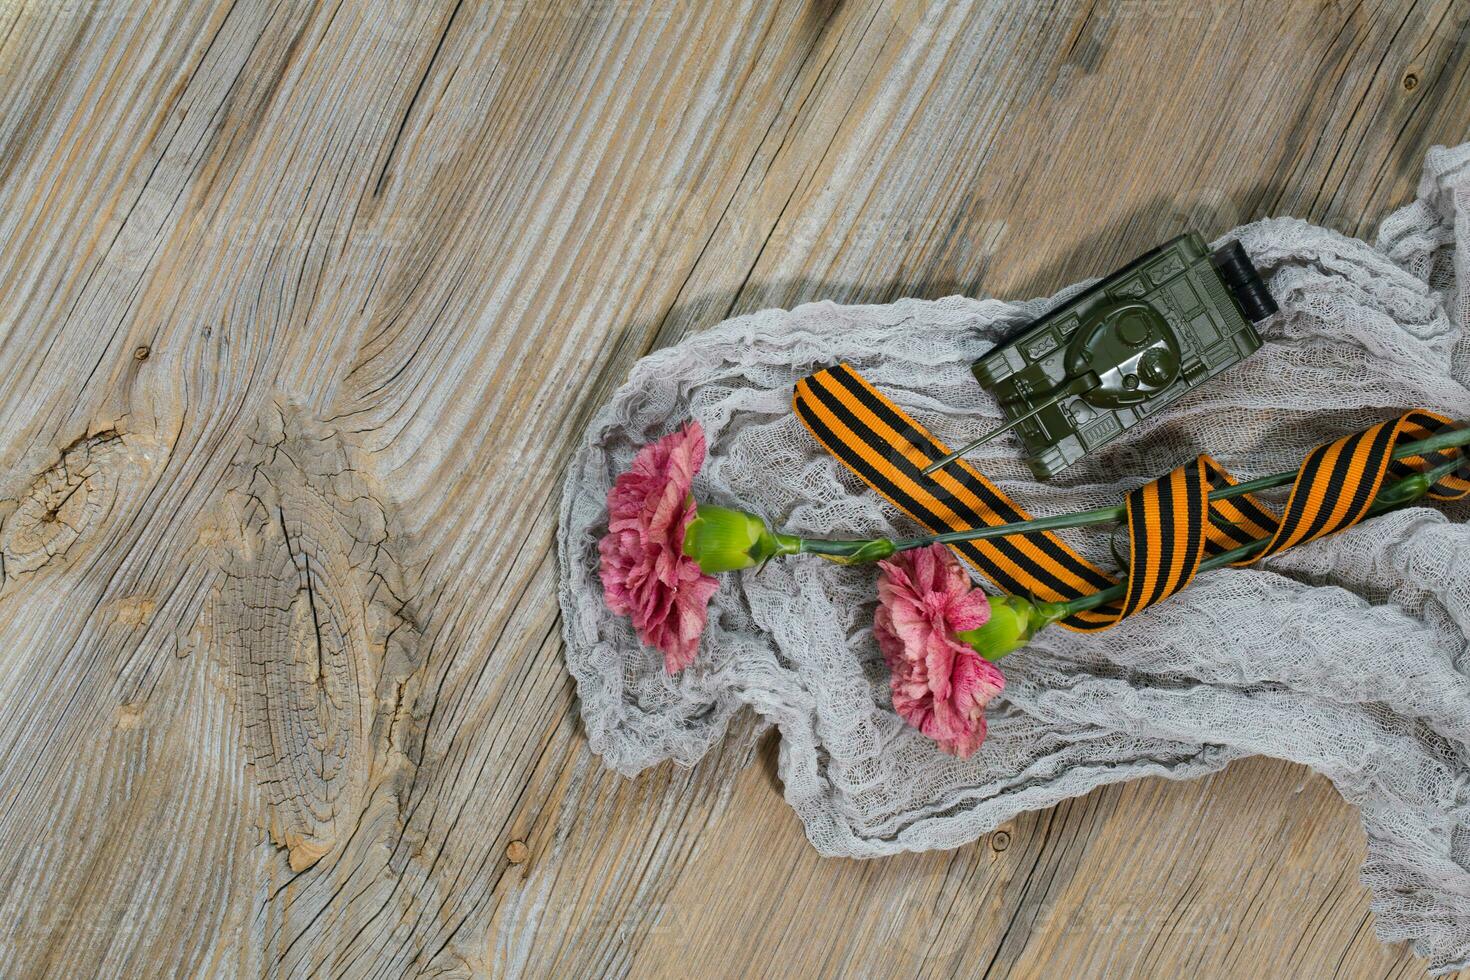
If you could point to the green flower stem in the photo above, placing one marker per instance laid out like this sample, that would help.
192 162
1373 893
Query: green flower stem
844 552
1394 495
1103 515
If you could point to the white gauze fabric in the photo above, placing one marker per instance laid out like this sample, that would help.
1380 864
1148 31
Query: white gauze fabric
1349 655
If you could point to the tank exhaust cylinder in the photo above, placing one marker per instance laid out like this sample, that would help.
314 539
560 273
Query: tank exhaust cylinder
1239 273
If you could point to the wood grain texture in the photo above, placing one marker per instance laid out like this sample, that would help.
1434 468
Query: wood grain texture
304 304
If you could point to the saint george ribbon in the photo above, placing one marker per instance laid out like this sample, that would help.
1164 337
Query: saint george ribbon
1172 523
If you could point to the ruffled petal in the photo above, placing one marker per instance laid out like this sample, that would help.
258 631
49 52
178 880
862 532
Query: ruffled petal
645 573
939 684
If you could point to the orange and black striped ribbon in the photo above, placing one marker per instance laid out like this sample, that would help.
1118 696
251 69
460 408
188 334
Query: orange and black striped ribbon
1172 524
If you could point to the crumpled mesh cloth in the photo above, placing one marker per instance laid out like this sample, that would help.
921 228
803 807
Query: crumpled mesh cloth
1349 655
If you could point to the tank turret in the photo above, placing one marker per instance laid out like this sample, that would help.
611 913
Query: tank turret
1123 349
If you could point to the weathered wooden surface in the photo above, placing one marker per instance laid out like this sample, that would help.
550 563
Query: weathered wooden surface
301 306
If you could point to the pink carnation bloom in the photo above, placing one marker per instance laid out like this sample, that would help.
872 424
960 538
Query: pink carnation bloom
940 685
645 573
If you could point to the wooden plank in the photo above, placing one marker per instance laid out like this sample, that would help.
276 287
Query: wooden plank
303 306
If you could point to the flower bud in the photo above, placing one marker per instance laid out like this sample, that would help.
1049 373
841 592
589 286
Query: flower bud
1013 622
721 539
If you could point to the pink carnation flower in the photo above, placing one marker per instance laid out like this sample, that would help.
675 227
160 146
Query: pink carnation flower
645 573
940 684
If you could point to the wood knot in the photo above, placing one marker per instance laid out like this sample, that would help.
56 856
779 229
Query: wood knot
516 852
1000 840
128 717
141 354
62 504
1410 81
134 610
305 616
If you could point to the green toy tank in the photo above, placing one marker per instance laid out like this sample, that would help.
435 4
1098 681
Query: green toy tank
1124 349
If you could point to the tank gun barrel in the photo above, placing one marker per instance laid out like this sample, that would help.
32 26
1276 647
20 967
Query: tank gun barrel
1074 387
